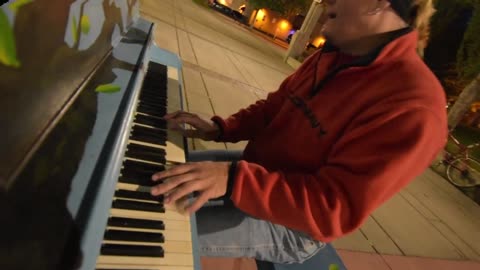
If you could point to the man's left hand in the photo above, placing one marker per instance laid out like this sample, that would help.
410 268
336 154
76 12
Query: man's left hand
208 178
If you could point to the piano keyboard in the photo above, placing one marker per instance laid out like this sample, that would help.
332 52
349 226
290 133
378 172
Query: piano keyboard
142 232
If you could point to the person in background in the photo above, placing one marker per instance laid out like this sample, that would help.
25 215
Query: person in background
357 121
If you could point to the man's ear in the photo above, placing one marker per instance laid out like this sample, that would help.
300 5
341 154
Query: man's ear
378 7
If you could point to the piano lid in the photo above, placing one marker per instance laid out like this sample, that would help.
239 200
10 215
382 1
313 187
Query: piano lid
49 52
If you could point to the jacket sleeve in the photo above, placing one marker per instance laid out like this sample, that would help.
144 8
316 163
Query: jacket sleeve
245 124
367 166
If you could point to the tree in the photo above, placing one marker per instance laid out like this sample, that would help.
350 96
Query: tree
468 96
468 66
288 8
468 56
448 27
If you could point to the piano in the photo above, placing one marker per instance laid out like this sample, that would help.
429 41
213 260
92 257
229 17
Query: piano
82 133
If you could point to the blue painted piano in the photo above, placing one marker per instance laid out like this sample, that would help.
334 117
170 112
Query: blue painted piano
84 90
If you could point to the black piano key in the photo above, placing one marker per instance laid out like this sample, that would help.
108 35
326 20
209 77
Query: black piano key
150 85
153 102
152 111
136 223
148 139
129 236
135 173
150 121
154 67
138 206
137 195
154 99
126 250
156 90
145 181
155 132
154 94
142 167
146 153
146 148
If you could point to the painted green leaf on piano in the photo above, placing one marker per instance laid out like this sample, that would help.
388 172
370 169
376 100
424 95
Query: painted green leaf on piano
85 24
107 88
8 52
18 4
74 29
333 267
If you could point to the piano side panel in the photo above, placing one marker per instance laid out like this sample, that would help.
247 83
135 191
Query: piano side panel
55 45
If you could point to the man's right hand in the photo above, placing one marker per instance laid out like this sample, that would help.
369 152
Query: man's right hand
203 129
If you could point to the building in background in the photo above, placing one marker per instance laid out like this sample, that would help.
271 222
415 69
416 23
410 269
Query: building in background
274 24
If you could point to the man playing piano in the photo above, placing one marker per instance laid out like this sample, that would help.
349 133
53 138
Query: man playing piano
349 129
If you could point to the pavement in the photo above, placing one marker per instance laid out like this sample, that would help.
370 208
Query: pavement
227 66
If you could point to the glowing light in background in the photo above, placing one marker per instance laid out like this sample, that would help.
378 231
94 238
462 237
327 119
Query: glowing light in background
260 14
319 41
284 24
222 2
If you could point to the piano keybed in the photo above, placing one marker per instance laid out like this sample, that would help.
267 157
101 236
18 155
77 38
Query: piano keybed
142 232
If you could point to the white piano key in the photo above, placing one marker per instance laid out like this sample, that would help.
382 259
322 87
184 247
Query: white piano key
169 246
143 267
168 215
170 259
169 235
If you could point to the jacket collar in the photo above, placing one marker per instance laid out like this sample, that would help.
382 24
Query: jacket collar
399 42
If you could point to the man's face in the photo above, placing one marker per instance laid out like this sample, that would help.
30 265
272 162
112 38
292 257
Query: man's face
349 20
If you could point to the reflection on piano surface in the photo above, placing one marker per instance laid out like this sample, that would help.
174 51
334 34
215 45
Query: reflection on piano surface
79 198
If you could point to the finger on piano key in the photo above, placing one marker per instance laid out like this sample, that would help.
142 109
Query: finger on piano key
179 205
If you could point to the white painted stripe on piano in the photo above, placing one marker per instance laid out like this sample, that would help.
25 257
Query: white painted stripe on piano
143 267
169 259
169 246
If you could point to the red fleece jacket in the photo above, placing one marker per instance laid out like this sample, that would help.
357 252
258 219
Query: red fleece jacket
322 164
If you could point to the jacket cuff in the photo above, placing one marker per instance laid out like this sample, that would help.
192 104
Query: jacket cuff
221 125
232 172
